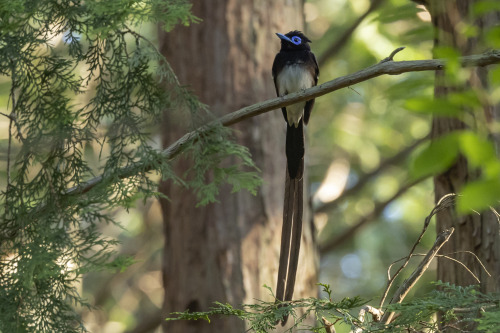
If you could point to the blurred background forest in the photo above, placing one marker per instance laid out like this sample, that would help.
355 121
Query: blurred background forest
355 136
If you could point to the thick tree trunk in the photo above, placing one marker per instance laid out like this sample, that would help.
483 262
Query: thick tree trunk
478 234
227 251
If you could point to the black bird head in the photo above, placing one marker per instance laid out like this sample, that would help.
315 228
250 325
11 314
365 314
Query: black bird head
293 41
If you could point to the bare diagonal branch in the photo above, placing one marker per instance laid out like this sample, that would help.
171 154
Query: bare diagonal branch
403 290
444 203
383 68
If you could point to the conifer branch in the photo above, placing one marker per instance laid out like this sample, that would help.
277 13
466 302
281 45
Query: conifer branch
383 68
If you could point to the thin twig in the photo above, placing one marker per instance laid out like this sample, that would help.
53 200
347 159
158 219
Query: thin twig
445 202
497 215
376 316
466 268
9 143
446 256
475 256
463 265
11 121
5 115
9 147
403 290
481 308
391 56
13 118
329 327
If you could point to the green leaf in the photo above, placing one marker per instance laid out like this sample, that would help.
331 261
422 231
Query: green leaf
489 320
172 13
494 74
429 105
462 99
404 12
446 52
478 151
485 6
493 37
121 263
410 87
438 156
479 195
453 65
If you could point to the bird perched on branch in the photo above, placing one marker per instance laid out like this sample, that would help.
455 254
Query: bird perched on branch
294 69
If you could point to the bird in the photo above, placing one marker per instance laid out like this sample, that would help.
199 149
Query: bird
294 69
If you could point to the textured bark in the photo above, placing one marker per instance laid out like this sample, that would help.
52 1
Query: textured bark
227 251
479 234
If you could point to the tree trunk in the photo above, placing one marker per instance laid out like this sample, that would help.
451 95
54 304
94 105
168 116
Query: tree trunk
476 233
227 251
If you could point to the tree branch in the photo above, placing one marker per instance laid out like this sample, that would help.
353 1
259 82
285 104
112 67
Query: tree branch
376 316
391 56
444 203
329 327
403 290
382 68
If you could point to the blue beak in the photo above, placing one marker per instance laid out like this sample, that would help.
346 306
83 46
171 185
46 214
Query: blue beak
283 37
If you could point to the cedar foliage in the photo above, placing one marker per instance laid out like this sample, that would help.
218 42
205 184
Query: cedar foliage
417 315
82 77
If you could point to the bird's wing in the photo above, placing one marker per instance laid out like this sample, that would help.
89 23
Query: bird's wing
314 70
277 67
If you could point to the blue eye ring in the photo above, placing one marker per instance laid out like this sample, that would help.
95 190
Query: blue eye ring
296 40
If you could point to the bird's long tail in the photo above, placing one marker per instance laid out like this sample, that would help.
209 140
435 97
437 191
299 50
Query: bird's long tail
295 149
292 215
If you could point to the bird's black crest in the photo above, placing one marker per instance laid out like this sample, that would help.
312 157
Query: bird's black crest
298 33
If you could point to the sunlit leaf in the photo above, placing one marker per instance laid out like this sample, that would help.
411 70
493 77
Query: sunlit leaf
477 150
485 6
417 35
479 195
435 158
469 30
446 52
402 13
461 99
410 87
453 65
494 74
480 153
493 37
439 107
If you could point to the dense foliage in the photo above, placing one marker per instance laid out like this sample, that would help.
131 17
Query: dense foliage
453 302
81 78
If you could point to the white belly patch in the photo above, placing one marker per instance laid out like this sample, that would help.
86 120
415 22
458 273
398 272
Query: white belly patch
292 79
